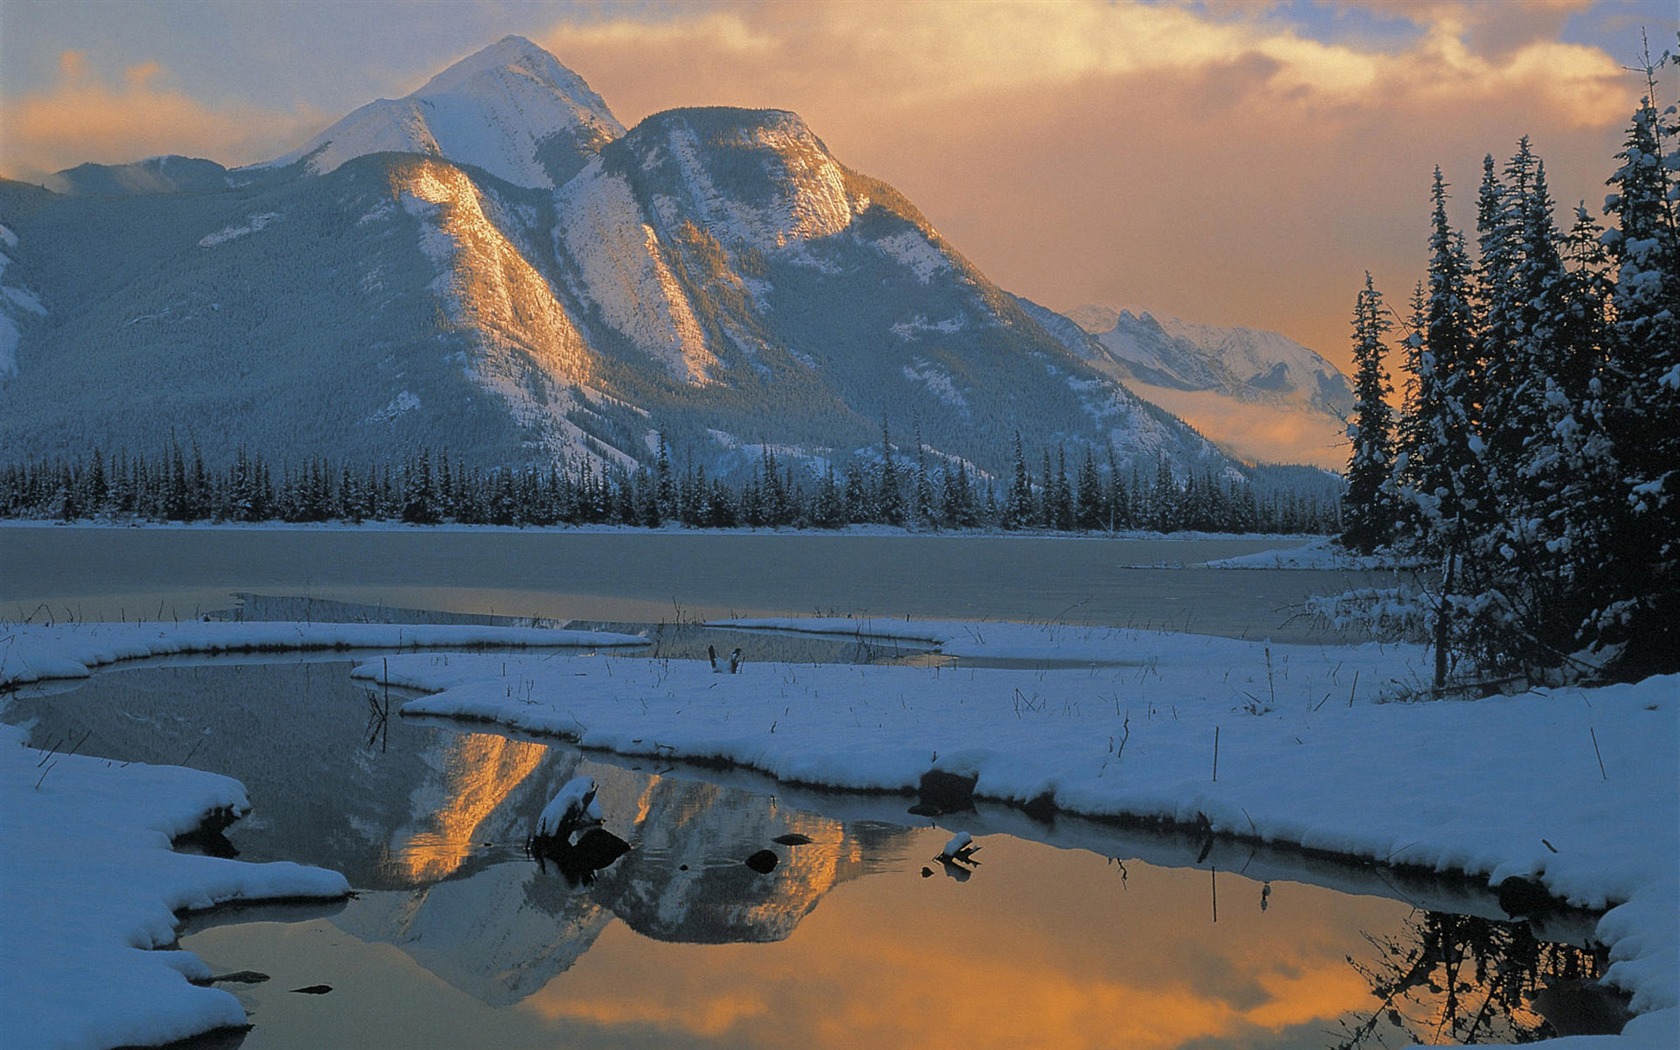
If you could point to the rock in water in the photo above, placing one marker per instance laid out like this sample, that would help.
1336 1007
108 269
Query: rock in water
943 792
763 862
574 806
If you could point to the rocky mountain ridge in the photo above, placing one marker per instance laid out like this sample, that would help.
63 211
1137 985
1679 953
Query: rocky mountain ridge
494 266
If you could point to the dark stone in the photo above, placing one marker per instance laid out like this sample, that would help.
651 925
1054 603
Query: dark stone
595 849
792 838
948 792
763 862
314 989
927 872
1520 896
1041 808
922 809
240 977
598 848
208 839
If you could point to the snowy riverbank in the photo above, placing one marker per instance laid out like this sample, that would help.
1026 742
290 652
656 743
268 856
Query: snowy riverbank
1095 720
89 885
1108 722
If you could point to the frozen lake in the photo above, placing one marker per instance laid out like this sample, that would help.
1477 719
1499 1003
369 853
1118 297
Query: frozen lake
88 573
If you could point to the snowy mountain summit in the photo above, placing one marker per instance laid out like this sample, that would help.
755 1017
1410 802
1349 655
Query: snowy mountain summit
493 267
511 109
1259 393
1248 364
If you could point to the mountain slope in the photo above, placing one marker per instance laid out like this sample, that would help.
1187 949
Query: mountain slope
713 275
742 268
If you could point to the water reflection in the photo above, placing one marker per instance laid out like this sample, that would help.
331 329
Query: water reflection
1071 934
1462 979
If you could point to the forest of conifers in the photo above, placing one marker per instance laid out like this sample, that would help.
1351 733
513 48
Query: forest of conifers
1536 458
896 490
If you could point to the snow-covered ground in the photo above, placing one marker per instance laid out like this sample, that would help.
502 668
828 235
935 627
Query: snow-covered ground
1293 744
1105 721
89 886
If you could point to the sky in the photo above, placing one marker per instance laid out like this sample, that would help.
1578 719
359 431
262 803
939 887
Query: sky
1220 161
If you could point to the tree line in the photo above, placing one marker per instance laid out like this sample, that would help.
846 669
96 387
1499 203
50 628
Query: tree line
1535 462
897 488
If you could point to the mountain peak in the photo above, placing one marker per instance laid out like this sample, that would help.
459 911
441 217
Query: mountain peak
750 176
510 55
510 108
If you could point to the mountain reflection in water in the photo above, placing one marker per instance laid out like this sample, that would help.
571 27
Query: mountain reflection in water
1092 937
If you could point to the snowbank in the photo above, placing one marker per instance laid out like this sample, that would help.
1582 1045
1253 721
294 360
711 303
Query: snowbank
37 652
1289 744
89 885
90 892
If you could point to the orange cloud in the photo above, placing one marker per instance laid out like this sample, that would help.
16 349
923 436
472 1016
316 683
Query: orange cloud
85 117
1222 167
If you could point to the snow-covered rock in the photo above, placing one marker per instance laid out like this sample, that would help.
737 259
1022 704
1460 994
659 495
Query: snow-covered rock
511 109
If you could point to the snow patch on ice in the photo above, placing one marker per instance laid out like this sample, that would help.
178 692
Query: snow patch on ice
1318 554
92 889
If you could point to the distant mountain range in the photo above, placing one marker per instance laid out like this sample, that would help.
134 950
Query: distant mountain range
1259 394
494 266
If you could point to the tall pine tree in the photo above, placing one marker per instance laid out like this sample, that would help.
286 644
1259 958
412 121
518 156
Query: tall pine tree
1368 514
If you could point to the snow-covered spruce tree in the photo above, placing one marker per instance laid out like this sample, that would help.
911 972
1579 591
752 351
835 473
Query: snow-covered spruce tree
922 511
1643 397
1445 471
1368 512
889 493
1018 510
1088 508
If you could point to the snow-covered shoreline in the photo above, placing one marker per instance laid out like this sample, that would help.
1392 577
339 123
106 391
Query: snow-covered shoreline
1123 723
1100 721
91 892
40 652
90 887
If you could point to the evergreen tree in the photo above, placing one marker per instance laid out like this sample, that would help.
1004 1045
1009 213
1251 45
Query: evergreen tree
889 494
1088 512
1018 511
921 508
419 503
1368 509
1643 396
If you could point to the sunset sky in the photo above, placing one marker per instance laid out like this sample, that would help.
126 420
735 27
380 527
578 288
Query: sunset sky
1224 162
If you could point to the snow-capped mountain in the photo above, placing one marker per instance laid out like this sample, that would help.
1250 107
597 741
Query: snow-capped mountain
492 267
1259 393
511 109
